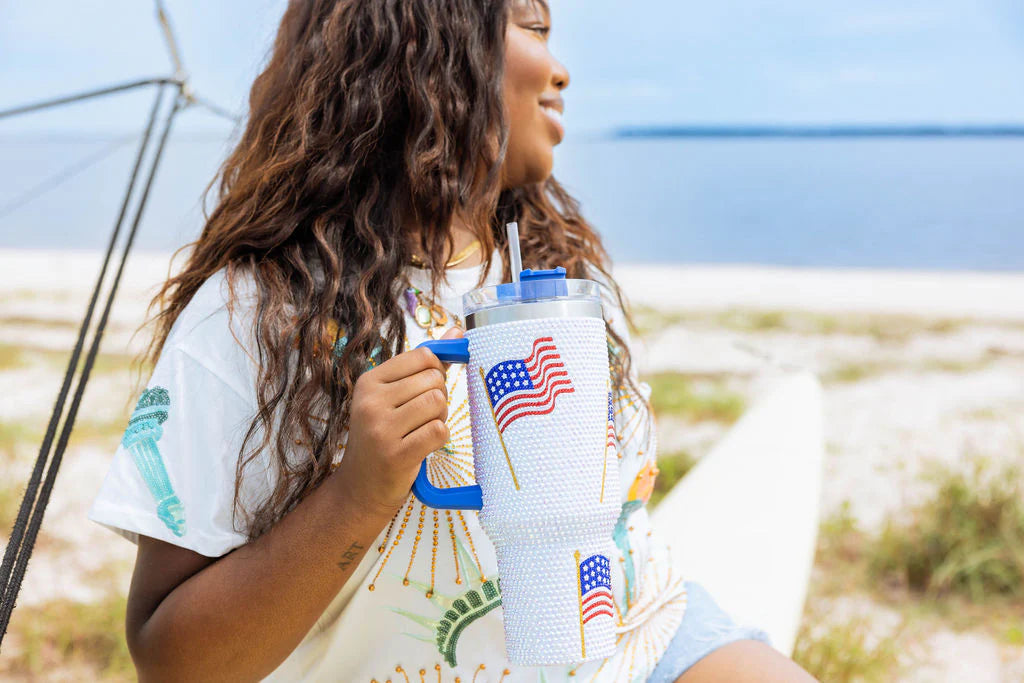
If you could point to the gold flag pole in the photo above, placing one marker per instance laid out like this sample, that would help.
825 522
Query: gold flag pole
579 597
500 437
604 468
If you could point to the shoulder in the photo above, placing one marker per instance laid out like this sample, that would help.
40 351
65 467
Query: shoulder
216 330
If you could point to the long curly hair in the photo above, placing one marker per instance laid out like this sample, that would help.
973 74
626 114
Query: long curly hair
369 117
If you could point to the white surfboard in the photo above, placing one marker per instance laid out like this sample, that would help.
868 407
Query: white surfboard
743 523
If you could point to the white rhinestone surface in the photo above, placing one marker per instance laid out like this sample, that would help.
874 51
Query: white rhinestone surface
567 499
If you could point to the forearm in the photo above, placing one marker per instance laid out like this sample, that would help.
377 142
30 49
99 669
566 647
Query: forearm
241 616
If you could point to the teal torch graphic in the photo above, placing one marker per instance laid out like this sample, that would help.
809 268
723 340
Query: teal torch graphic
144 430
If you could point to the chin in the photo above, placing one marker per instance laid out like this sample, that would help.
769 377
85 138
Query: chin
540 169
529 169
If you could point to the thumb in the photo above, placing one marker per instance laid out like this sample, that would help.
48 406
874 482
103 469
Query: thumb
451 333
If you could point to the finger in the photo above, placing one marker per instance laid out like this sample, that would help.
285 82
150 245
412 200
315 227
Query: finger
404 390
426 439
451 333
408 363
430 405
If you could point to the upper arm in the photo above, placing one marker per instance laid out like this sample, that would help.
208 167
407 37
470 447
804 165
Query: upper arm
160 567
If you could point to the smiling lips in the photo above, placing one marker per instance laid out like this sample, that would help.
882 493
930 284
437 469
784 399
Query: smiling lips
553 109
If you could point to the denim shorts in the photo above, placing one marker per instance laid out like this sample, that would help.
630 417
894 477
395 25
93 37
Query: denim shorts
704 629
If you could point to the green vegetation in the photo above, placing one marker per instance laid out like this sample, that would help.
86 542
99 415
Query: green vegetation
671 468
12 357
11 494
958 556
64 633
15 435
882 327
855 372
15 357
968 539
19 445
989 413
846 652
43 323
23 294
18 436
678 395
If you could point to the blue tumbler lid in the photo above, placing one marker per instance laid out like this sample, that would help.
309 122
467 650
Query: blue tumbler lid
535 284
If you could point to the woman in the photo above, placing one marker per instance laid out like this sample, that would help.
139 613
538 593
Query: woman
266 469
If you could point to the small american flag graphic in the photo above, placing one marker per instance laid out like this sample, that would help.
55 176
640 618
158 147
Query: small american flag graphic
595 587
518 388
610 440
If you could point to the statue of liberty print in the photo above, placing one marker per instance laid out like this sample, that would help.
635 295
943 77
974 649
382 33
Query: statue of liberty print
144 430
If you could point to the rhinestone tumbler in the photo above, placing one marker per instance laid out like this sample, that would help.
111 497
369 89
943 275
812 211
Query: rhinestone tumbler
547 481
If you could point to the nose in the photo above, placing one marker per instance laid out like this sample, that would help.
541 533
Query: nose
559 75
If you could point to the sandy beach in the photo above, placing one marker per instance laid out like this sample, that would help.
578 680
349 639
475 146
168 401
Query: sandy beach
918 368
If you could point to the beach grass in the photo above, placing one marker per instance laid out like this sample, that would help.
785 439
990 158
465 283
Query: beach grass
11 494
69 635
881 327
955 558
680 395
12 357
40 323
967 539
15 436
18 356
848 373
19 445
846 651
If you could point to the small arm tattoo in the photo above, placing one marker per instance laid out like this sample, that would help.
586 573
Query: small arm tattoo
350 556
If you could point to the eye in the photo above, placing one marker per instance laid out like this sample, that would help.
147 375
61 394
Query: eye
541 29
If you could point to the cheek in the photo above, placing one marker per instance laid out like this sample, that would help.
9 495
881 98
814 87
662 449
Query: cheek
526 75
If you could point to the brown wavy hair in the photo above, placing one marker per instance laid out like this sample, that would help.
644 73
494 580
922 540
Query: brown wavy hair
370 116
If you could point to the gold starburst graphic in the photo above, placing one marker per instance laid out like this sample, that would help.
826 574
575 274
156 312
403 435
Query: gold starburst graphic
449 466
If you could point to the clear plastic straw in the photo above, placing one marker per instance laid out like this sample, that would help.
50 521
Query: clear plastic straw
515 259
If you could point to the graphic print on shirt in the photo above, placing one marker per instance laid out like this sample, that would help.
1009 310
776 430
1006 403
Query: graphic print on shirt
140 439
435 675
631 418
457 612
339 334
449 466
621 537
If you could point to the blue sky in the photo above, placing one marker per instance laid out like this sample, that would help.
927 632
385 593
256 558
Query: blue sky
632 63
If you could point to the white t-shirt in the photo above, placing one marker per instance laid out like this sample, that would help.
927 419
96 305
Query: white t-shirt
424 603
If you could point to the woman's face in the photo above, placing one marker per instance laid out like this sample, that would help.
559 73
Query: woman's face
533 82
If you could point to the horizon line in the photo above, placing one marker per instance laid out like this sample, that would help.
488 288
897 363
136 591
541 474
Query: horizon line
819 130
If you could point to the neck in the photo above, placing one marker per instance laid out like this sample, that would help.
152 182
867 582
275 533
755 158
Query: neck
462 237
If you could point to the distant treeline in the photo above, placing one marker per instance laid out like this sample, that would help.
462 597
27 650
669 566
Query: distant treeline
821 131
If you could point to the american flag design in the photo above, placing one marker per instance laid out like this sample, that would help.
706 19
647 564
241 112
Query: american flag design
595 587
518 388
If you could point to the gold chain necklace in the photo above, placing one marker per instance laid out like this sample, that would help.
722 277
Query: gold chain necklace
464 254
428 314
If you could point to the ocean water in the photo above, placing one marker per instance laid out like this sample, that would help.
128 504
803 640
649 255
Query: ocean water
901 203
934 203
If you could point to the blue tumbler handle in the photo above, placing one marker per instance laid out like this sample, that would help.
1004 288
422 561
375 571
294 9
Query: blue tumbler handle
460 497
